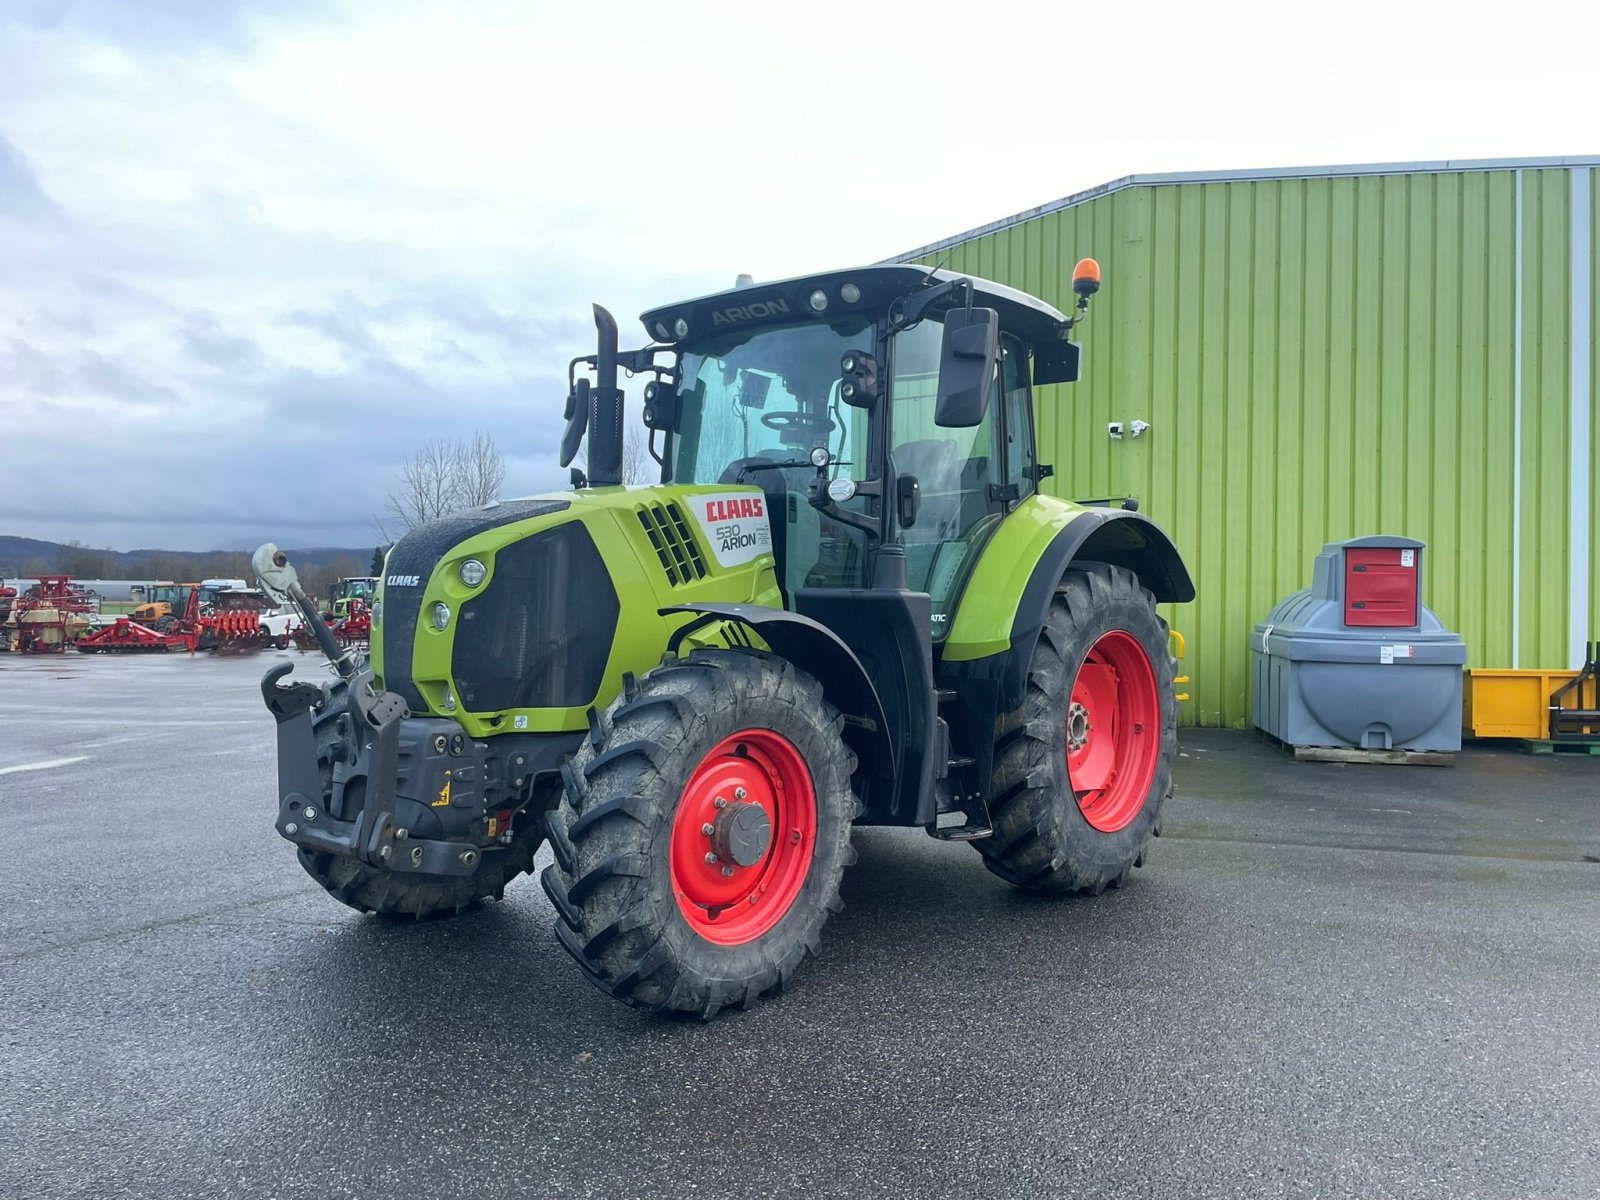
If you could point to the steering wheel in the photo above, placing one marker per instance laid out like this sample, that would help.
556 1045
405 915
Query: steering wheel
794 421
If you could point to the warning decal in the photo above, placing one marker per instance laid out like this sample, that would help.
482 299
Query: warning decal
735 525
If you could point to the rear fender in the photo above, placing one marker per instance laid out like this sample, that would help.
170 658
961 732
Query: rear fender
990 645
1114 536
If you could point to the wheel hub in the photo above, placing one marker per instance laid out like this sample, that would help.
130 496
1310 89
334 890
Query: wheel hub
741 834
1077 726
1113 731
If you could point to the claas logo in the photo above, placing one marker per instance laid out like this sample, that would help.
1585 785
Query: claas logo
732 510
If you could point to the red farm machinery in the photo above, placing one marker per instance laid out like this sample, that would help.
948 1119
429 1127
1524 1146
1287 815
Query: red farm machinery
228 621
48 617
178 629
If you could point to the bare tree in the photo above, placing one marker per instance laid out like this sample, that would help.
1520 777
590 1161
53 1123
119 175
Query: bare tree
446 475
480 469
637 464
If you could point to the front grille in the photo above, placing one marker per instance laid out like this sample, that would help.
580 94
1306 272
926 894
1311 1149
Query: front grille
540 634
415 556
674 544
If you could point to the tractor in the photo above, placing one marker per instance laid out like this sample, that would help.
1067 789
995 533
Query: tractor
349 591
847 603
164 606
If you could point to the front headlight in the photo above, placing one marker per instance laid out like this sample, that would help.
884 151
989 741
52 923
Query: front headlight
473 572
441 615
377 611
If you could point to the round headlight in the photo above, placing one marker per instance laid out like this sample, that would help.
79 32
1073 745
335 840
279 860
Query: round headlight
473 573
847 364
663 334
377 611
819 456
818 301
449 701
441 615
681 327
849 293
841 489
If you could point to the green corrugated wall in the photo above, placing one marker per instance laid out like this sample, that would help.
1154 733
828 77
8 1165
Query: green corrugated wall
1320 358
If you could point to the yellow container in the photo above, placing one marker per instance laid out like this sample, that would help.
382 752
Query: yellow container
1510 704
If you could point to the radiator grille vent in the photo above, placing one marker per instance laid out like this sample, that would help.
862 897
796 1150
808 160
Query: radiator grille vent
674 543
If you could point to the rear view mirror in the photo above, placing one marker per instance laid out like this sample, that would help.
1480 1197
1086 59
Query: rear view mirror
966 366
577 415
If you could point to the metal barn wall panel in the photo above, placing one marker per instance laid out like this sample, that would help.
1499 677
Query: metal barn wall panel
1321 357
1592 628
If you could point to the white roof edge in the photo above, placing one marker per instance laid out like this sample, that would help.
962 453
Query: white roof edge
1436 166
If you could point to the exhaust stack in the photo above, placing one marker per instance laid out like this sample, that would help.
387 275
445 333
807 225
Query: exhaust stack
605 407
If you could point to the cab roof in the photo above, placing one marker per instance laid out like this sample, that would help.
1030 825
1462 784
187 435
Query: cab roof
787 300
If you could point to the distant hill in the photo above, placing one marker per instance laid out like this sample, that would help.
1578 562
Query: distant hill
21 556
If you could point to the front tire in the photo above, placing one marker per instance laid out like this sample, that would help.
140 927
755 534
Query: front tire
1082 768
703 834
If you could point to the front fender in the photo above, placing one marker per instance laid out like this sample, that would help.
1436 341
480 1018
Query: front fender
818 651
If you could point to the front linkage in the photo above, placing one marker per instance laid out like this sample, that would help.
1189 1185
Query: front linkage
391 812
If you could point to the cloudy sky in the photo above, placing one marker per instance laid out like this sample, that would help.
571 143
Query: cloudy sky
252 255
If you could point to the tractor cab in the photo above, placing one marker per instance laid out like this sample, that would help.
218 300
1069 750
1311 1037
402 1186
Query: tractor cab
825 393
164 602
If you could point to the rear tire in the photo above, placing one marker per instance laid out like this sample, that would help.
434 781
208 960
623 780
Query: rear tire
369 890
1082 768
651 916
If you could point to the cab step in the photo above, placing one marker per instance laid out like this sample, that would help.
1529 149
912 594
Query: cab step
961 833
961 824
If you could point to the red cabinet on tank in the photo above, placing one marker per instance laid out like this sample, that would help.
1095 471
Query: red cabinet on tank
1380 586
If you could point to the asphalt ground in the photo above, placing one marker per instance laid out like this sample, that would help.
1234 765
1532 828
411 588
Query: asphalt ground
1329 981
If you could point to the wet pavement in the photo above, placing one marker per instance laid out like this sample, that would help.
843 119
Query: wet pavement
1329 981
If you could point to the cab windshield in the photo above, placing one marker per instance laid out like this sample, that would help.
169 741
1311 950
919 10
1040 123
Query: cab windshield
770 395
764 395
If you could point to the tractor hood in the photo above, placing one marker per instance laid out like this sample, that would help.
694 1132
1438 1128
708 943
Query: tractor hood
518 615
863 290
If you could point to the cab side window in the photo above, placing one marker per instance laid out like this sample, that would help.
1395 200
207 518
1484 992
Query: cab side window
1018 418
955 469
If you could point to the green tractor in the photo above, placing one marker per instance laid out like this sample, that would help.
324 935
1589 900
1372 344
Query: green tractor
349 591
846 603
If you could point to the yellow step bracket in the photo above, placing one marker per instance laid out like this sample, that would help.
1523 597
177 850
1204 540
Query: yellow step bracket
1174 636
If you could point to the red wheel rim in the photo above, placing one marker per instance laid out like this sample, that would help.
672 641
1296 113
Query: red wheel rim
1113 731
755 773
